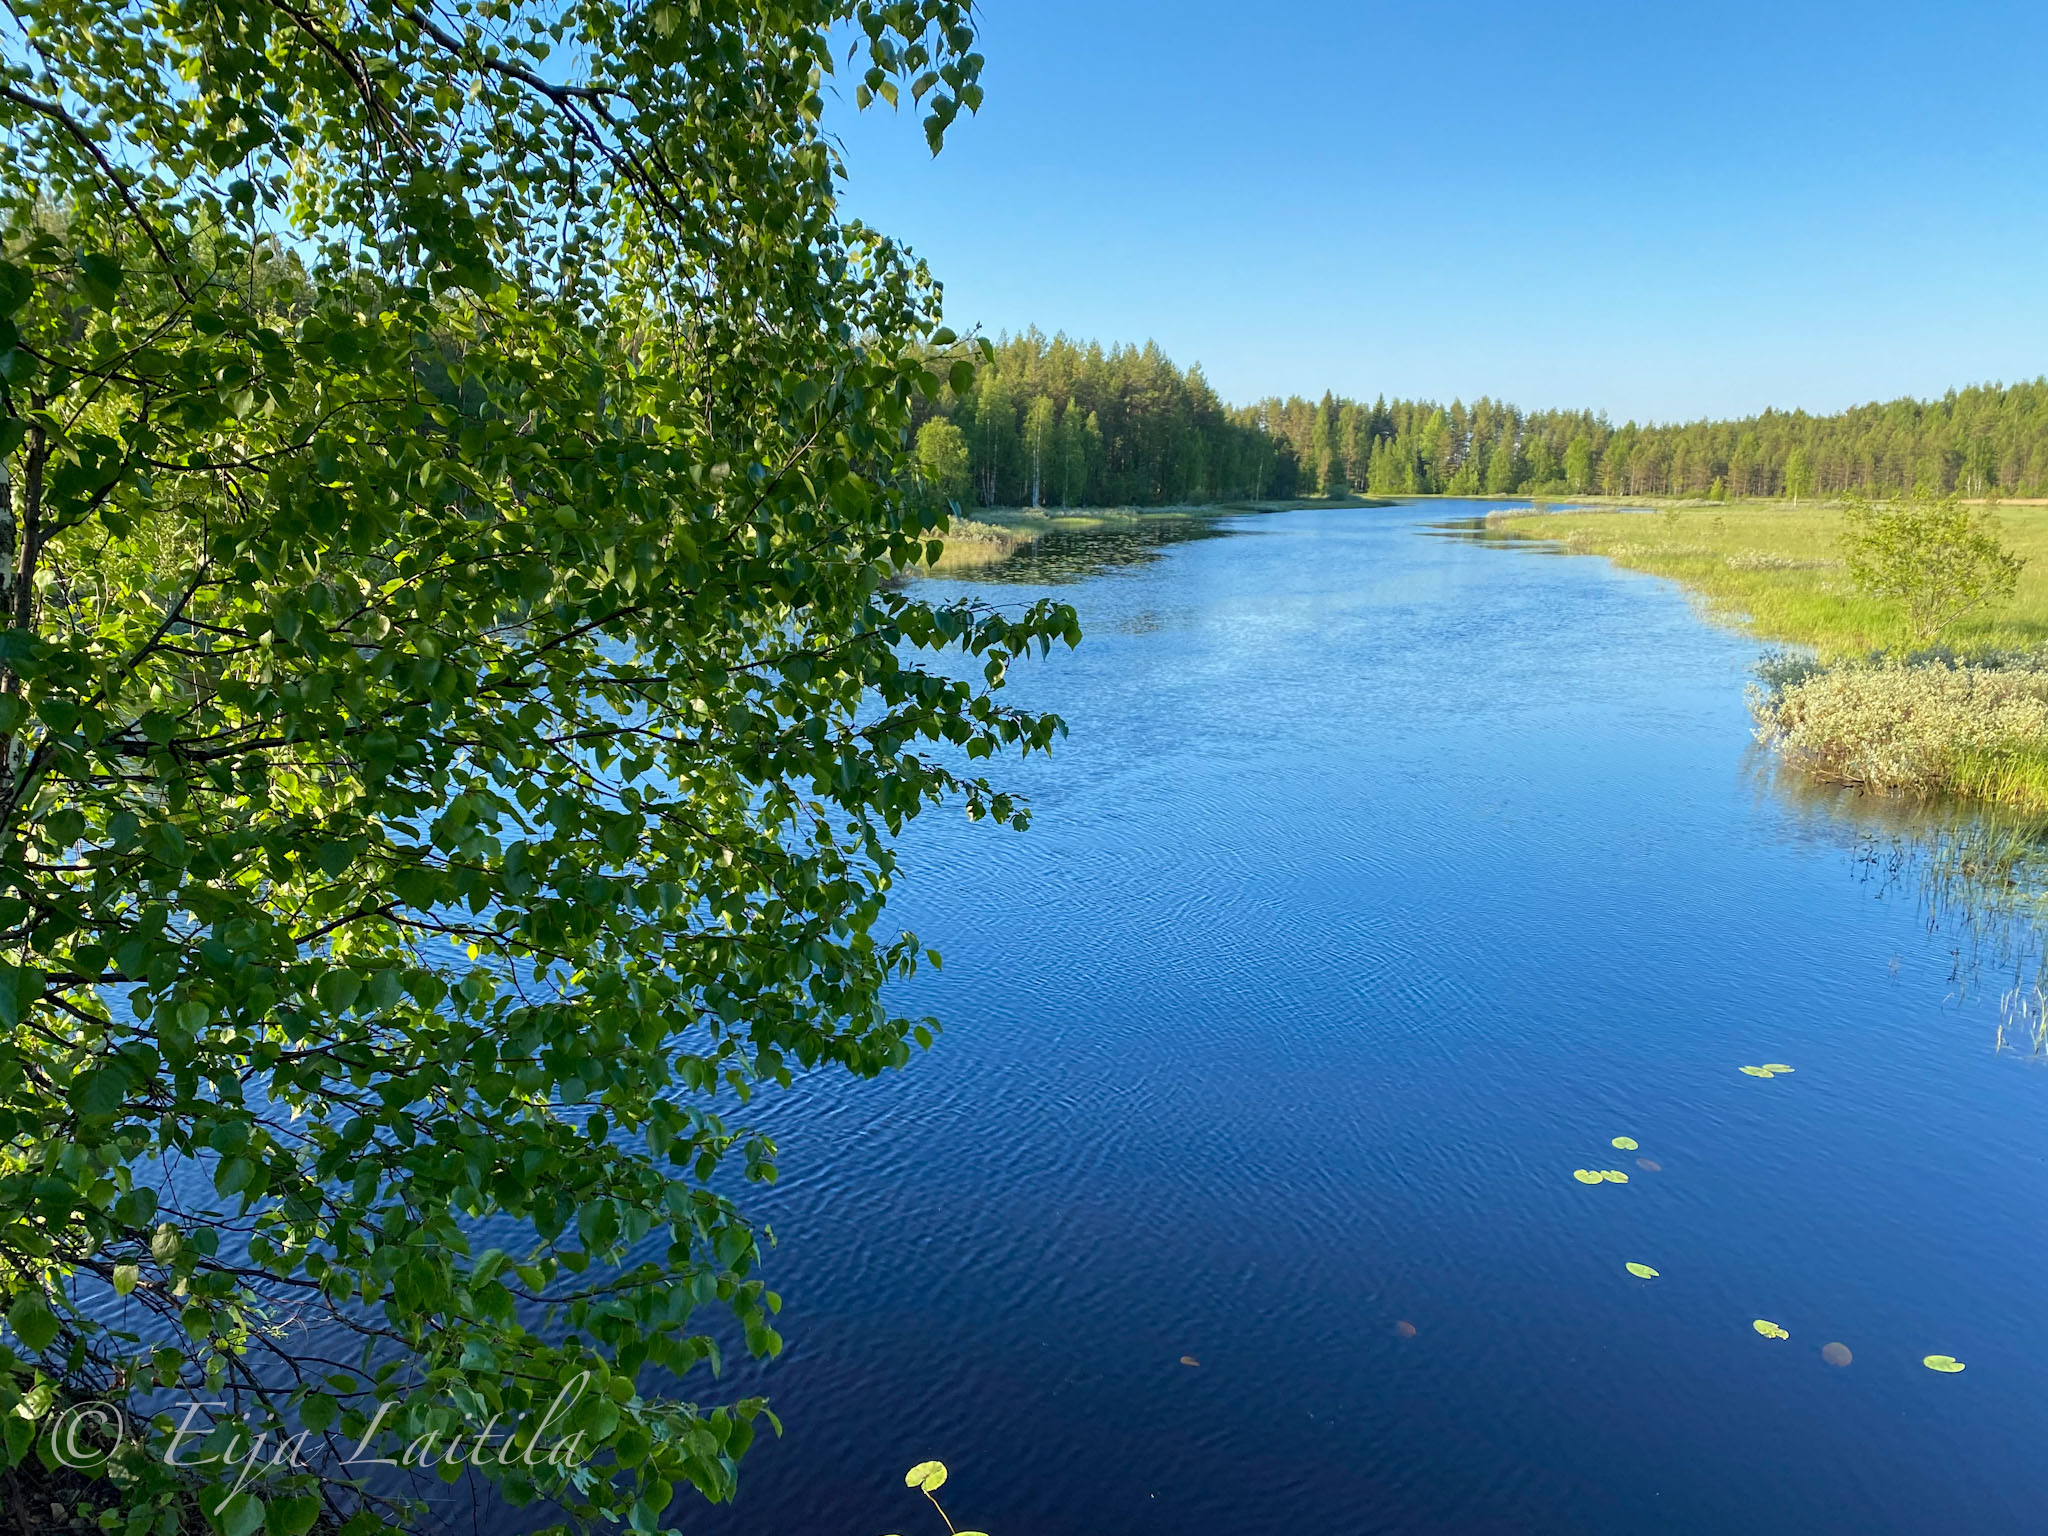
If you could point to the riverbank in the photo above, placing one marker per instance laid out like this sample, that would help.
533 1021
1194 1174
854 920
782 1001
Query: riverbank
993 534
1969 719
1777 571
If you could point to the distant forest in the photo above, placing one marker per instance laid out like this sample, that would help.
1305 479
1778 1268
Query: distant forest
1062 423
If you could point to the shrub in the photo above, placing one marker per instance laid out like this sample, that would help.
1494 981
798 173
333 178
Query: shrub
1935 559
1918 729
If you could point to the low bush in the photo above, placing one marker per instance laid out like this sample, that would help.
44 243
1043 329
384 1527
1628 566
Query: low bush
1933 728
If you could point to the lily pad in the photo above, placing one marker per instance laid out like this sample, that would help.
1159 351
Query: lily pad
1586 1176
1948 1365
1641 1271
1614 1175
1623 1143
1776 1066
926 1475
1758 1071
1769 1330
1189 1360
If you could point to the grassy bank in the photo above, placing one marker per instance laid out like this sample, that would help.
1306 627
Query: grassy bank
969 543
1969 720
994 533
1777 571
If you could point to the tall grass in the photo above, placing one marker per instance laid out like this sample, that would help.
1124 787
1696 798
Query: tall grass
1777 571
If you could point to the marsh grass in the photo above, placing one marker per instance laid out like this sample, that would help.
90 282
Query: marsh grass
970 543
1778 571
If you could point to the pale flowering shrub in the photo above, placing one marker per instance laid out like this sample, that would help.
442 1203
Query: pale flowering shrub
1918 728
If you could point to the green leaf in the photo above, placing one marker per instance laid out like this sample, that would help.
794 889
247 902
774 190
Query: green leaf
1769 1330
1641 1271
961 376
100 1092
291 1515
317 1410
1624 1143
32 1321
16 284
242 1516
233 1174
19 987
20 1434
125 1278
928 1476
1948 1365
99 278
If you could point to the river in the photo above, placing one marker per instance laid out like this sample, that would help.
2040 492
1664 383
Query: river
1384 879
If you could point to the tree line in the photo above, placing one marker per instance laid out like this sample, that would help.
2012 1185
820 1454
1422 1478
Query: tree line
1063 423
1055 422
1985 440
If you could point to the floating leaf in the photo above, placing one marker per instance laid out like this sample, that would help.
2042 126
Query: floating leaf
1614 1175
1776 1066
1649 1165
1586 1176
926 1475
1836 1354
1624 1143
1189 1360
1404 1329
1758 1071
1769 1329
1641 1271
1948 1365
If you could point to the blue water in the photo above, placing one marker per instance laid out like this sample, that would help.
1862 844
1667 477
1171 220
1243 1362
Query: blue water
1383 879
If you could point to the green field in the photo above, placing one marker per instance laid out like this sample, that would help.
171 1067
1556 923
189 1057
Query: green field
1777 571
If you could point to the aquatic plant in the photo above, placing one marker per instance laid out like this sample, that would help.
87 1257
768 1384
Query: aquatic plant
927 1477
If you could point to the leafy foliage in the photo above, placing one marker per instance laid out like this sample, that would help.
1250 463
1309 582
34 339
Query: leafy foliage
1935 558
942 460
453 708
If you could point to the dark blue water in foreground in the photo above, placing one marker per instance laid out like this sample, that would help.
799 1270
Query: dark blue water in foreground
1383 879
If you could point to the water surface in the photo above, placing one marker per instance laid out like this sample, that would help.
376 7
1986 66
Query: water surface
1384 879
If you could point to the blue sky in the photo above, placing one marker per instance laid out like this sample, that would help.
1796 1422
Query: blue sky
1662 210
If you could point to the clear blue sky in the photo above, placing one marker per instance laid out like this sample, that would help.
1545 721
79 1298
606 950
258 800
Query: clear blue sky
1663 210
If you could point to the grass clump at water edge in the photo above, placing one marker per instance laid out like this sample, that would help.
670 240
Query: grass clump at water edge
1935 726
